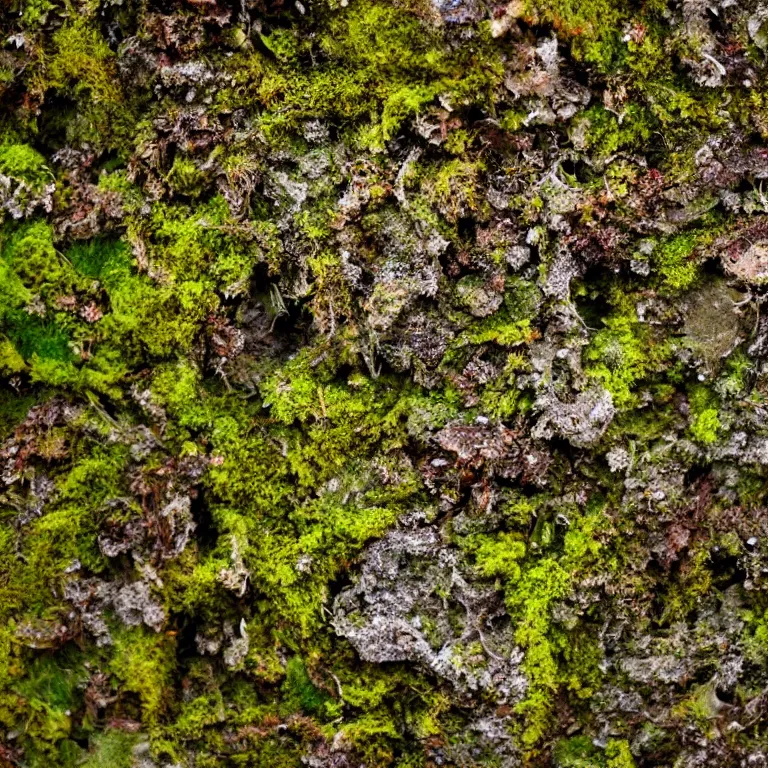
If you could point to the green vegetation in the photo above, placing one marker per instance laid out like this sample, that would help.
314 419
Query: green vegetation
281 284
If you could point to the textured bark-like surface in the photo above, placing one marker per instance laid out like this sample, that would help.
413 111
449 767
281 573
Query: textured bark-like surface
383 383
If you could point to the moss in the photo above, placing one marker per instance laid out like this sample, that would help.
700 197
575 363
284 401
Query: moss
624 354
453 187
30 252
372 735
53 683
32 336
580 752
676 261
756 637
111 748
705 426
83 60
107 261
554 656
23 163
695 581
530 600
382 64
301 693
500 556
332 301
144 663
141 312
14 293
36 12
736 374
500 329
576 752
403 103
198 714
705 422
214 340
618 754
593 31
186 178
45 700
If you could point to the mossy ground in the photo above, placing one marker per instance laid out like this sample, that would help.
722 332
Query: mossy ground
253 261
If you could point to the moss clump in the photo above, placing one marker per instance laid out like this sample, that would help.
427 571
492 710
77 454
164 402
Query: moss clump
84 62
705 426
112 748
23 163
144 663
705 422
676 260
624 354
301 693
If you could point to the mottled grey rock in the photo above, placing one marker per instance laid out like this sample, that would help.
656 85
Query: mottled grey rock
134 605
399 608
581 422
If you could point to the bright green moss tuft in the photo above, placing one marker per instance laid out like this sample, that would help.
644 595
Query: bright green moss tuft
676 261
144 662
705 426
23 163
83 60
622 355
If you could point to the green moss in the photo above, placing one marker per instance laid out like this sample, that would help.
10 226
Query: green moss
576 752
199 714
30 252
372 734
33 335
756 637
144 662
553 656
705 422
13 292
53 682
23 163
676 261
204 247
403 103
501 330
83 60
101 259
592 29
735 374
110 749
36 12
705 426
301 693
453 188
618 755
316 440
500 556
695 581
186 178
381 67
622 355
580 752
530 601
